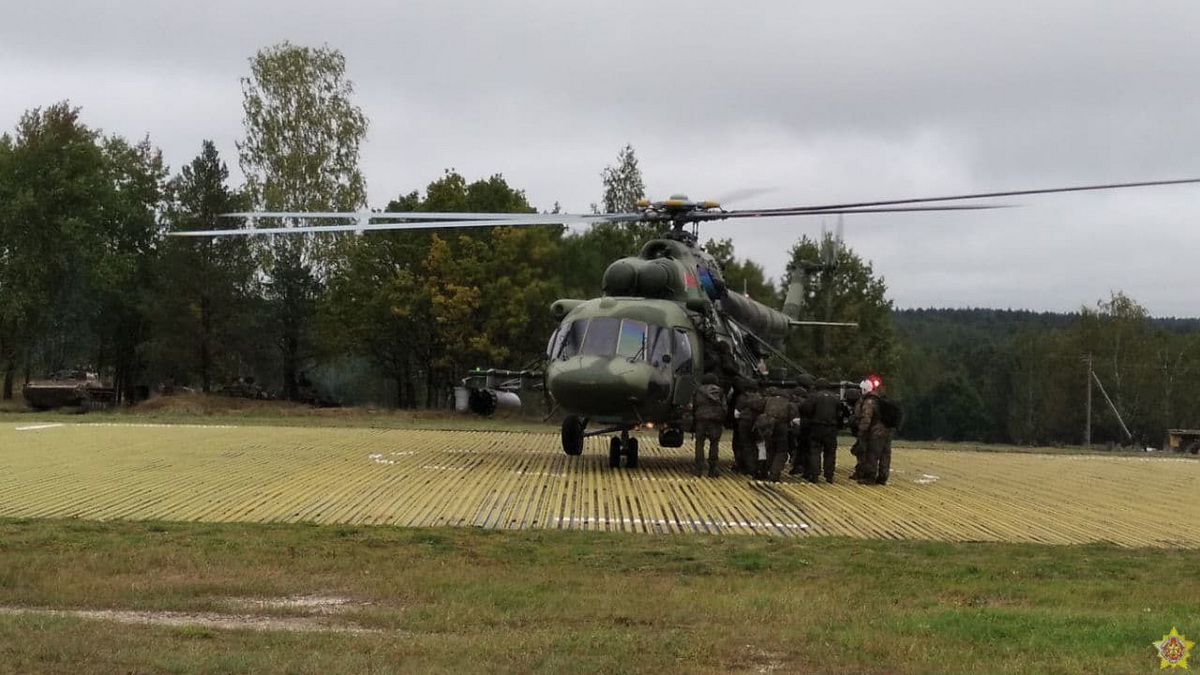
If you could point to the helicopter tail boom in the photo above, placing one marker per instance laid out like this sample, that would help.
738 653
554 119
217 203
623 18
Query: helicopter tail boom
768 324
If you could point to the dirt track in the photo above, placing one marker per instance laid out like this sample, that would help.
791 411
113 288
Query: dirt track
514 480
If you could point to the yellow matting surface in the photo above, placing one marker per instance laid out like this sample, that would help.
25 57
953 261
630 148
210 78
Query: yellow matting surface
520 480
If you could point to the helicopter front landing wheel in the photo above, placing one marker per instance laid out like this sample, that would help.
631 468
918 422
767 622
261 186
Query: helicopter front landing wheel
614 453
572 435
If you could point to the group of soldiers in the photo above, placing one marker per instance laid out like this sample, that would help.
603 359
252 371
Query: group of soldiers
775 424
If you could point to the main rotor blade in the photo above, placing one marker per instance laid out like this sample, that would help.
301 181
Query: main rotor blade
533 219
981 195
407 215
560 219
743 194
769 213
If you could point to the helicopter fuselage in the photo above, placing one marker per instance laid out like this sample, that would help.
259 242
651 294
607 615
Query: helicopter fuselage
635 355
625 360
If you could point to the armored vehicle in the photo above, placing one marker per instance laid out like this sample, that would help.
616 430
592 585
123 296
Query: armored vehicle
69 389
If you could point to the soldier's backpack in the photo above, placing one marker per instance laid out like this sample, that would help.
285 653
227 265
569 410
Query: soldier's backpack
890 413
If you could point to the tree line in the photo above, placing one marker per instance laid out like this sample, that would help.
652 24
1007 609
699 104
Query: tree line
90 277
1023 377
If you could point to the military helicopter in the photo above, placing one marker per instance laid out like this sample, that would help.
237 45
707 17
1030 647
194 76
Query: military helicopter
634 356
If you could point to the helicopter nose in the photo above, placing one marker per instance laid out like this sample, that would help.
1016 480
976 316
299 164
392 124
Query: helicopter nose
600 386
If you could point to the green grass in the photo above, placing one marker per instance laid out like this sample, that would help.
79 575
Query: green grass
461 600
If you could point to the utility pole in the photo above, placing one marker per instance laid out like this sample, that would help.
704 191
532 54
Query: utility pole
1113 407
1087 429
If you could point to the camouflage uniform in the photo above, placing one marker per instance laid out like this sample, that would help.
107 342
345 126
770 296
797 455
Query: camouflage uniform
823 410
856 447
749 405
708 411
875 442
772 427
800 436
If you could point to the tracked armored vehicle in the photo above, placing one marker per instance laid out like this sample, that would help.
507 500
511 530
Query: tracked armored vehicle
79 389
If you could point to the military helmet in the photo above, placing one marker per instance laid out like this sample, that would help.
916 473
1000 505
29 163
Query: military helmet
709 378
821 383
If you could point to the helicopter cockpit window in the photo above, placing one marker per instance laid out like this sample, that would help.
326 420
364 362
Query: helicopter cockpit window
660 345
601 337
632 341
683 350
570 338
555 344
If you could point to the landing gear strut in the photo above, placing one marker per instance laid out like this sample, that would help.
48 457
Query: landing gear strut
573 433
623 445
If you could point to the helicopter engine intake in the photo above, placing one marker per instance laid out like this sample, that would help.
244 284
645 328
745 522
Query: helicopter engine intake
634 277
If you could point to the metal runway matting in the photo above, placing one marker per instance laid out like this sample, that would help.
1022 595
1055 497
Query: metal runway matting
523 480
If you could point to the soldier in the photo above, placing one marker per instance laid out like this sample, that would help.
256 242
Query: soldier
874 437
729 368
823 408
850 421
747 407
708 412
772 427
800 436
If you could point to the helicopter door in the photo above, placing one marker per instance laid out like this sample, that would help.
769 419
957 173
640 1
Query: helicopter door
683 360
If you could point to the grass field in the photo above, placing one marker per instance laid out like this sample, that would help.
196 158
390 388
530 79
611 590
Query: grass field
246 543
453 600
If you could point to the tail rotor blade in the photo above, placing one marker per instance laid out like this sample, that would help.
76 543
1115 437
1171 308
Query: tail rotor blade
838 243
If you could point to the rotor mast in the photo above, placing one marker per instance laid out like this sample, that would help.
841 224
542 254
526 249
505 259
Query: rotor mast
677 211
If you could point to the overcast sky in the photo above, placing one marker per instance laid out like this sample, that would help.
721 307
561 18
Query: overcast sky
820 101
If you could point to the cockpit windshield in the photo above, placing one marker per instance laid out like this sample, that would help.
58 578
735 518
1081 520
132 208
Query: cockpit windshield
610 336
631 343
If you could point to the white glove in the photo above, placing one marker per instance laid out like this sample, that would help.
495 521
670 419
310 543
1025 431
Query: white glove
737 414
795 421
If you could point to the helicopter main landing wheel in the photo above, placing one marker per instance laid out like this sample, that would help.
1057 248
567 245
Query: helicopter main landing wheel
572 435
614 453
623 446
